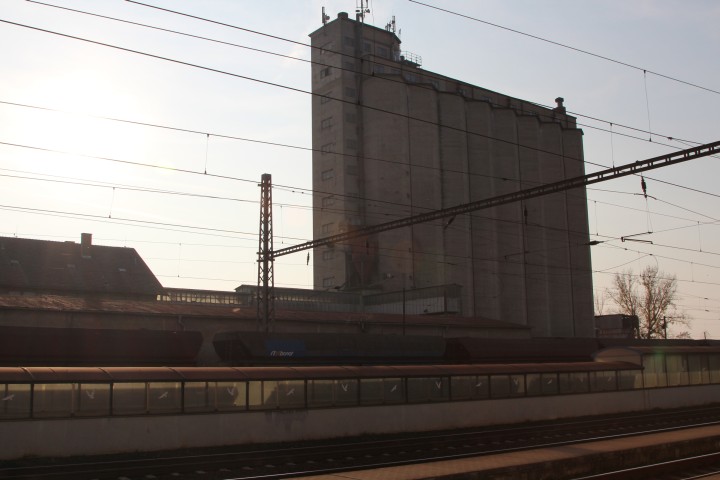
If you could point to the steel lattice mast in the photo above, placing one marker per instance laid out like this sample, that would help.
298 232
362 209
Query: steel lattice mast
266 277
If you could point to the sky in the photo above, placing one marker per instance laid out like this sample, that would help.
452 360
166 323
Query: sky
157 140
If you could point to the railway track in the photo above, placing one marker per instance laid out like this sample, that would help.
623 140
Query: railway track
292 460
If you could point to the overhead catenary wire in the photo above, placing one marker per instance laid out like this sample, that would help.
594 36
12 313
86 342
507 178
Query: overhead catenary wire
344 54
277 186
255 32
56 179
309 61
388 79
579 50
203 19
197 172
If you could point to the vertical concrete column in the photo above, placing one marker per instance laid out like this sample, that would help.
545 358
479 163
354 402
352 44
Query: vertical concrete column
554 230
427 239
578 238
508 218
386 176
535 247
457 262
486 294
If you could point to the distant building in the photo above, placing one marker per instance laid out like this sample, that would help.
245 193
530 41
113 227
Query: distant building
392 140
617 325
29 266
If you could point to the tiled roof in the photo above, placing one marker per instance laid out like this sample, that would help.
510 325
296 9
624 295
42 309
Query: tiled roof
47 266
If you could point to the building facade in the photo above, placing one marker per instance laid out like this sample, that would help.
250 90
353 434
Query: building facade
392 140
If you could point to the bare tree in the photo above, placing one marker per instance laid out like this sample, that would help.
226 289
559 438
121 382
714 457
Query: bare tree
599 304
650 296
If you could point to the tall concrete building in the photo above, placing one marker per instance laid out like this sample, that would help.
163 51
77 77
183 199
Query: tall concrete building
393 140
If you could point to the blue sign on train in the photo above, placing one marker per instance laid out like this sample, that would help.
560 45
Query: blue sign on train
285 348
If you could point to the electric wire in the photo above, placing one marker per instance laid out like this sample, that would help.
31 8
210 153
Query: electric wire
475 217
205 38
287 188
258 33
668 77
286 56
339 52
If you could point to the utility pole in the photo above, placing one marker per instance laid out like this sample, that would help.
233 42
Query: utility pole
266 278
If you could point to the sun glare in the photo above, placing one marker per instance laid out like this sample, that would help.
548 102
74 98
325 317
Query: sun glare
79 98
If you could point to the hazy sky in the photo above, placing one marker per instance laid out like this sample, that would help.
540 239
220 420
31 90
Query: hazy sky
185 195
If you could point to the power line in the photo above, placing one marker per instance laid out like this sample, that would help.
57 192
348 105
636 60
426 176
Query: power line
124 221
66 180
282 86
569 47
562 185
381 110
339 52
253 181
279 186
128 162
185 226
294 89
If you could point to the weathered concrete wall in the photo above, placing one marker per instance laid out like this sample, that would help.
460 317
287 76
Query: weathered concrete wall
426 142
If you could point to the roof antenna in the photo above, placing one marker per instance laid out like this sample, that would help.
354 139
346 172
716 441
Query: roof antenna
390 27
325 18
361 11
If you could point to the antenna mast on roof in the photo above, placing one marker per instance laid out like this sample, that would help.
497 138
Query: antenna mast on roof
361 11
325 18
390 27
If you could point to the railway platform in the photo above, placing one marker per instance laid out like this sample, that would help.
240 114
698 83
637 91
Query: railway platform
574 461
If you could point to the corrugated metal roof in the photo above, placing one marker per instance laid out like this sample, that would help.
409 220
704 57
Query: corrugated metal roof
47 266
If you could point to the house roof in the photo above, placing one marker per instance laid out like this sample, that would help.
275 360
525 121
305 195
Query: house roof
69 267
